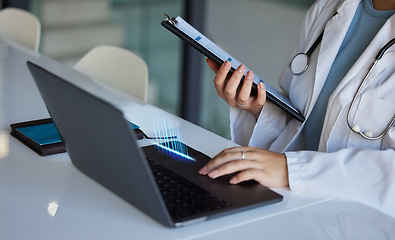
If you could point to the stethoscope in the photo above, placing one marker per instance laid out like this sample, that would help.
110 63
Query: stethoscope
355 127
300 63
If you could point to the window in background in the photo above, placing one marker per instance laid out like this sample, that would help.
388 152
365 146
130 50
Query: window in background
71 28
262 39
159 48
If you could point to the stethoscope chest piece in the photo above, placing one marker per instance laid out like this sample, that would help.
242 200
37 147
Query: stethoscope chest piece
299 63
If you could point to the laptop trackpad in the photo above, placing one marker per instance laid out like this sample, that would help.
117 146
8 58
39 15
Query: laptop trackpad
188 169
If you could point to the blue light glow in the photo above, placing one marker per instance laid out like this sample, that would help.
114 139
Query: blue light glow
174 151
174 148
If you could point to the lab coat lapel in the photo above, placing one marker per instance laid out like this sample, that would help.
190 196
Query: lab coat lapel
335 31
363 63
343 94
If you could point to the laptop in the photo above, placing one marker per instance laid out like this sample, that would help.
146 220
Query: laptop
155 179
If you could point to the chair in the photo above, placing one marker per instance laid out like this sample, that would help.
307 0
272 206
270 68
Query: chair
20 26
117 67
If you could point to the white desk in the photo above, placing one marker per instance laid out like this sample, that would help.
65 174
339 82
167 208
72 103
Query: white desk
48 198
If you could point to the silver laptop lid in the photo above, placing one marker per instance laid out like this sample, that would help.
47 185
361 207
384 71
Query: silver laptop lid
100 142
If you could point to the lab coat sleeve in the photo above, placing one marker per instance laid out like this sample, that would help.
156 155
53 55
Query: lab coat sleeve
241 125
247 131
269 126
364 175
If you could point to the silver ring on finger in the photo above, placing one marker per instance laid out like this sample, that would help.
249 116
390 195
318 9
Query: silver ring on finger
241 105
242 155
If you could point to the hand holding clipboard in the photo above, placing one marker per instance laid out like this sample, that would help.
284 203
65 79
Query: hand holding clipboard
186 32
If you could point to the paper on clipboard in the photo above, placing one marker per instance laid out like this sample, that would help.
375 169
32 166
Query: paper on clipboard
186 32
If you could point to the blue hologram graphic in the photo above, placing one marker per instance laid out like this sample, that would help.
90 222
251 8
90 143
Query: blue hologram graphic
174 149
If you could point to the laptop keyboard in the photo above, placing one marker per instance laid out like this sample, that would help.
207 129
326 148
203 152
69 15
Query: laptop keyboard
181 197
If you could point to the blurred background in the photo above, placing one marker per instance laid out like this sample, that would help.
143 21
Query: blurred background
259 33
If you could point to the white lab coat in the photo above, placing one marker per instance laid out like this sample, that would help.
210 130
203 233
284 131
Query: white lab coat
346 165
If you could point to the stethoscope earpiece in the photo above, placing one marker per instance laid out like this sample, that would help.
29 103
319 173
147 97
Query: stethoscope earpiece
355 128
369 134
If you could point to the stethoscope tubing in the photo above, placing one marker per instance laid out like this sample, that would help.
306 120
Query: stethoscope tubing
384 49
315 44
352 127
380 54
305 56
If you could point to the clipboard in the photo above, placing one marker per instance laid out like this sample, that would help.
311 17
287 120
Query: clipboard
197 40
41 136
